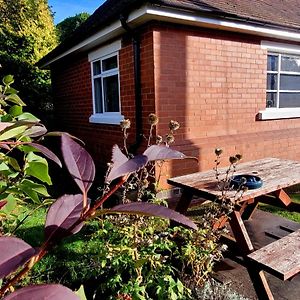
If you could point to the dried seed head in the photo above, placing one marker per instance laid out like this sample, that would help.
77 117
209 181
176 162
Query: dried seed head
145 183
125 124
239 156
174 125
218 151
170 138
152 119
233 159
159 139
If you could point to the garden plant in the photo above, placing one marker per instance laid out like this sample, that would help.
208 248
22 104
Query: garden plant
124 253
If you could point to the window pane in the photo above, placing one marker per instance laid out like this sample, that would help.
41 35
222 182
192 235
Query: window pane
109 63
272 82
290 82
272 63
271 100
98 95
96 68
289 100
111 93
291 64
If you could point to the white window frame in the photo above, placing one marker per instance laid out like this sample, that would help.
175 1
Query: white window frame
101 54
271 113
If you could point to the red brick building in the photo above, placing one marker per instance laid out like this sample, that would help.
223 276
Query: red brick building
228 71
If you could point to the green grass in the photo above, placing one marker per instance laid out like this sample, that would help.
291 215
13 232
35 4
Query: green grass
294 216
69 263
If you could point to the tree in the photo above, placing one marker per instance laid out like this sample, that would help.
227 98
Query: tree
27 29
69 25
27 33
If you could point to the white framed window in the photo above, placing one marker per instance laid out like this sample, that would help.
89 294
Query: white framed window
283 81
106 85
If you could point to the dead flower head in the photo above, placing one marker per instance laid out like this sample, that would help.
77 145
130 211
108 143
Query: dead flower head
125 124
159 139
218 151
233 159
239 156
152 119
174 125
170 138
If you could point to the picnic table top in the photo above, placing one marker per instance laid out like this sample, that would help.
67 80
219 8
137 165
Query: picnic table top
275 173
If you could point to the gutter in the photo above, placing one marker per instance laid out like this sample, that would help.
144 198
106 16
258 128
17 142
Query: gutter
137 84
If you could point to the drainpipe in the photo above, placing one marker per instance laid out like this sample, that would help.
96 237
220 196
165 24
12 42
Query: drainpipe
137 84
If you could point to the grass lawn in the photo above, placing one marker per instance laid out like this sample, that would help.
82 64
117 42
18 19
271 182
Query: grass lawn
294 216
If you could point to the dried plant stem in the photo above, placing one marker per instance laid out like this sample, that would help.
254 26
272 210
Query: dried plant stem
125 136
21 273
150 135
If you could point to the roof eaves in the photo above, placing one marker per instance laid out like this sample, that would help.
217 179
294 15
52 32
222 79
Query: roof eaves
205 16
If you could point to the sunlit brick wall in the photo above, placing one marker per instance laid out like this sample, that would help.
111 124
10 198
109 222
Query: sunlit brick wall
214 84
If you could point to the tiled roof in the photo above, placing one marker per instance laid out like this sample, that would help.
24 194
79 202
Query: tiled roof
275 13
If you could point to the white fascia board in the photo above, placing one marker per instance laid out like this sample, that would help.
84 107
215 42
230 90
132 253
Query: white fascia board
150 12
218 23
114 30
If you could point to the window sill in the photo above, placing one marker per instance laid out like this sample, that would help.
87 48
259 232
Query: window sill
279 113
112 119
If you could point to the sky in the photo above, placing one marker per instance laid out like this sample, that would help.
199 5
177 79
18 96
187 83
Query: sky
69 8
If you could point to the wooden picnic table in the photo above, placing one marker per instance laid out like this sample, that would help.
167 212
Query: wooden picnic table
276 175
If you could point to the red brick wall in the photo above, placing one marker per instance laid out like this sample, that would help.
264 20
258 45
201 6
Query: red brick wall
71 80
214 84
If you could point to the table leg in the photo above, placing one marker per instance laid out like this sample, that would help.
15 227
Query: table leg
283 197
184 202
249 210
240 232
260 284
258 278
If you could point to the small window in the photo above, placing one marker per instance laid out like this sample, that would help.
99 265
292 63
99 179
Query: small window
106 85
283 81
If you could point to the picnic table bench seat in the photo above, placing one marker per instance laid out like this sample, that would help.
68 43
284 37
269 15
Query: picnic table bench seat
280 258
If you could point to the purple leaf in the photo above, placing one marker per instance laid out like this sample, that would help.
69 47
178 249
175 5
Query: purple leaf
14 253
62 215
48 153
61 133
4 146
128 167
79 163
118 158
35 131
3 203
156 152
43 291
149 209
3 125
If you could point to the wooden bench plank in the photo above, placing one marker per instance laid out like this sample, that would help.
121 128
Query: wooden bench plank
280 258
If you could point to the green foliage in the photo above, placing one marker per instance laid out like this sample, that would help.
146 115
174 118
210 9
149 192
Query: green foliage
27 33
117 256
69 25
23 173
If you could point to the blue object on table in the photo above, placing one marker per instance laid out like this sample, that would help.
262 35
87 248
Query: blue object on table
250 181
